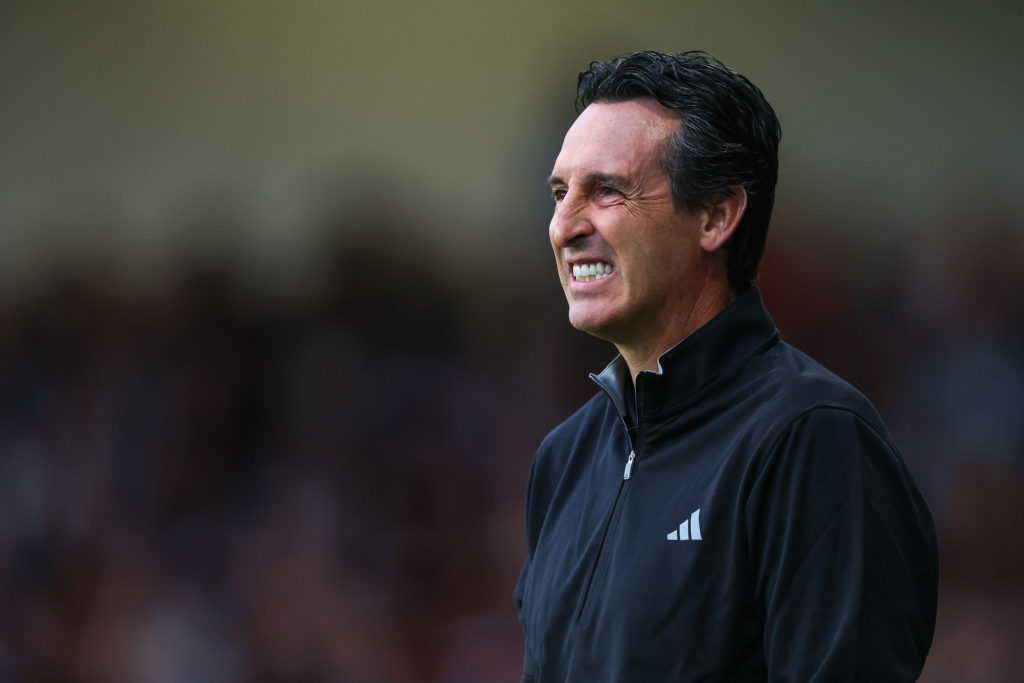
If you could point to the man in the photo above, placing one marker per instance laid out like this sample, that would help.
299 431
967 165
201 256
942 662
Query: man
724 509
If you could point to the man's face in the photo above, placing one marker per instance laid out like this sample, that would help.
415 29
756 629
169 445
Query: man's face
629 261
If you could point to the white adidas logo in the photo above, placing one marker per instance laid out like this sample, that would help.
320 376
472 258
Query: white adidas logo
689 530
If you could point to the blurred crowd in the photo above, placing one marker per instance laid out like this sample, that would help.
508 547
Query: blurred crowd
200 485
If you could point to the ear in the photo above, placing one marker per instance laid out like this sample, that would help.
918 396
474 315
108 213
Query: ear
724 214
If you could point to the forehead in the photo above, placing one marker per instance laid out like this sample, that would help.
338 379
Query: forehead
617 137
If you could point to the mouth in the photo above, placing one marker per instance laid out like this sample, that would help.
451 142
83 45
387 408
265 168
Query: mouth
588 272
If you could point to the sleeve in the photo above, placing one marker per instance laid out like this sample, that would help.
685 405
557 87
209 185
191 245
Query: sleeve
844 555
528 666
532 531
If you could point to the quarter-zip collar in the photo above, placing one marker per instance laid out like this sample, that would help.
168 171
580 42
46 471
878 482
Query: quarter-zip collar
715 350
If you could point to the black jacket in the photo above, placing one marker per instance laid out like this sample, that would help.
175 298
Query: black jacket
765 529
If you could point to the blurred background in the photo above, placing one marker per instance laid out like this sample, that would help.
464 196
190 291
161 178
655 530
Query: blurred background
280 328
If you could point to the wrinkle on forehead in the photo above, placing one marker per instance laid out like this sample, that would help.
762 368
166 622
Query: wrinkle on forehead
648 118
619 137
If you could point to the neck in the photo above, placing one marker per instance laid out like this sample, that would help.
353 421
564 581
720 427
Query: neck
642 355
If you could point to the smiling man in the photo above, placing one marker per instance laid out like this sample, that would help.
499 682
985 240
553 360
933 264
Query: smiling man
724 508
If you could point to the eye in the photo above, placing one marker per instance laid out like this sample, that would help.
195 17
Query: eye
558 193
608 192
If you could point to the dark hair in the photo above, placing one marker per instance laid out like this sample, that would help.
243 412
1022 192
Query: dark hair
729 136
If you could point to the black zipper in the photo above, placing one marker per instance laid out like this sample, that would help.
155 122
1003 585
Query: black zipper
600 548
627 474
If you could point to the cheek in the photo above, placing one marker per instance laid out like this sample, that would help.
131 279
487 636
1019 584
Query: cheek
666 264
655 259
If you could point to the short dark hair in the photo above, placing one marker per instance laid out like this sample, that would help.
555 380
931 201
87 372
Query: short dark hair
729 136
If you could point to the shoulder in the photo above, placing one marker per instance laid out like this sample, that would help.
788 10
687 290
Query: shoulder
789 413
592 419
789 387
823 432
581 433
826 453
565 455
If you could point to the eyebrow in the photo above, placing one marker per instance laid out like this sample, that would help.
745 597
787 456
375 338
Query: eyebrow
592 179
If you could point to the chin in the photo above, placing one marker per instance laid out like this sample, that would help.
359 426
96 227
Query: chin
601 327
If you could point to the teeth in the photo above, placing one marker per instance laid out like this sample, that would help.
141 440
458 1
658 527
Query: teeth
591 271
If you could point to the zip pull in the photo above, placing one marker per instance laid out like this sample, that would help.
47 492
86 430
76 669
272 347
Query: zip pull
629 466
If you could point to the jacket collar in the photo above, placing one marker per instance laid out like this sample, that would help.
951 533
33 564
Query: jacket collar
715 350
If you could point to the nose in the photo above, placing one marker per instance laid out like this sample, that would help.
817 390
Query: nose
569 223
